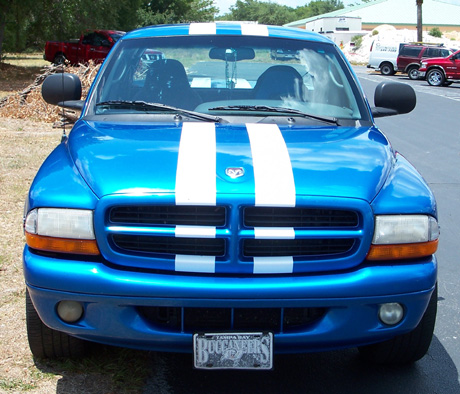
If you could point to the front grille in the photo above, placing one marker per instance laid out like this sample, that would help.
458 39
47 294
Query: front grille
169 245
296 247
320 234
191 320
171 215
299 217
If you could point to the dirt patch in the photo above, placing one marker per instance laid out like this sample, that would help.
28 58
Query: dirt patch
13 78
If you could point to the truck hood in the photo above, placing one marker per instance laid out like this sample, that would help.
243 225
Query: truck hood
133 158
432 60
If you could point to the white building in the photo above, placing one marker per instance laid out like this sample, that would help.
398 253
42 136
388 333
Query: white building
402 14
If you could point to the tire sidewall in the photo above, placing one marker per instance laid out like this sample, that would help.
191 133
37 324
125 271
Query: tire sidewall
441 78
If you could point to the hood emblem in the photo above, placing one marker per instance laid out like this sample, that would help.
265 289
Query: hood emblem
234 172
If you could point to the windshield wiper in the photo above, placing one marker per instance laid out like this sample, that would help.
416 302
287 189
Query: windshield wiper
144 105
267 108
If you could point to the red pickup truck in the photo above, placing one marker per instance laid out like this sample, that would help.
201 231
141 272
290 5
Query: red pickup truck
94 45
441 71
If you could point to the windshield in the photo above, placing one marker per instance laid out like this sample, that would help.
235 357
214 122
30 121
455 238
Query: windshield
116 36
226 75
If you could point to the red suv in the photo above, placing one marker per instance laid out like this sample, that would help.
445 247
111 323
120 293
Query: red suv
411 55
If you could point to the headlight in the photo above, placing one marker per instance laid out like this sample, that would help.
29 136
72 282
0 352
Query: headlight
423 64
61 230
404 237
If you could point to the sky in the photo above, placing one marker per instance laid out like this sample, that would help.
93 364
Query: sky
224 5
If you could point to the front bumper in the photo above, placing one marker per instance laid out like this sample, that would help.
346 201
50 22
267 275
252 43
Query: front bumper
421 74
112 299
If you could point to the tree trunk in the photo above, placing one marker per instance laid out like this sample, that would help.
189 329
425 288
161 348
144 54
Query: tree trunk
419 21
2 31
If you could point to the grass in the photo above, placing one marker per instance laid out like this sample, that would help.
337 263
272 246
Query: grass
15 385
23 147
25 59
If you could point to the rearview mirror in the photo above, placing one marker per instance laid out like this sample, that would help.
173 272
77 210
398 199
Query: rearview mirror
232 54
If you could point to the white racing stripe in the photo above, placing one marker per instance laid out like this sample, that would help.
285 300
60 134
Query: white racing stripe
273 265
252 29
195 232
274 233
196 165
202 28
185 263
274 179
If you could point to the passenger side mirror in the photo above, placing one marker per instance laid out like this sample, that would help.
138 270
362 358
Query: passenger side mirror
393 98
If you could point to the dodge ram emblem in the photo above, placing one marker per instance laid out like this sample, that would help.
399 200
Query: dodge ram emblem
234 172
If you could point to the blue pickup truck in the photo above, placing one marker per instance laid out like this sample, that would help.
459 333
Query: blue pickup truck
227 203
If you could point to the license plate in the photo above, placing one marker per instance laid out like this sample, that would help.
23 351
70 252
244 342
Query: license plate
249 350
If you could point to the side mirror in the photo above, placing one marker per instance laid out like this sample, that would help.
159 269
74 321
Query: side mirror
63 89
393 98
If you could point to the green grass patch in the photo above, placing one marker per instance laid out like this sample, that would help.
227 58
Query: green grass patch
26 59
15 385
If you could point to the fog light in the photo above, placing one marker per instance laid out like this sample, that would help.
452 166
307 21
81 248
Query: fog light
70 311
391 313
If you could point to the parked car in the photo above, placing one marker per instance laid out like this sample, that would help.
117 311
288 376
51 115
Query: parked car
441 71
383 56
230 206
94 45
411 55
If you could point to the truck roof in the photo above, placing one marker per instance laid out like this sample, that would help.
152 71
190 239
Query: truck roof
225 28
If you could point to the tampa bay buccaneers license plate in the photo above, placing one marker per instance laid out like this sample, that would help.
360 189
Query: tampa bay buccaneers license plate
250 350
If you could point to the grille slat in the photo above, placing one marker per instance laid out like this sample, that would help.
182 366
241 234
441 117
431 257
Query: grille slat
295 247
170 215
172 246
206 319
299 217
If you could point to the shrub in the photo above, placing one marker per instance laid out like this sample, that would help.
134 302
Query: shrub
435 32
358 40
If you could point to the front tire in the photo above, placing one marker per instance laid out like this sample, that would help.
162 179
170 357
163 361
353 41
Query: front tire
45 342
413 73
406 348
435 77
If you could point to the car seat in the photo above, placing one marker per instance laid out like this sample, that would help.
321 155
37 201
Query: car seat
167 83
279 82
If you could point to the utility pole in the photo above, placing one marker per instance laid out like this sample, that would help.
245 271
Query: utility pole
419 21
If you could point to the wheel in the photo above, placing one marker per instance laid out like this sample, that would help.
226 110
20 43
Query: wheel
413 73
45 342
406 348
387 69
435 77
59 59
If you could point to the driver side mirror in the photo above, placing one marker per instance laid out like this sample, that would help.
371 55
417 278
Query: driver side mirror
64 90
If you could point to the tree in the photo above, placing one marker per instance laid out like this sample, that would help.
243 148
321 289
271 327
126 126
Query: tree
318 7
174 11
263 12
